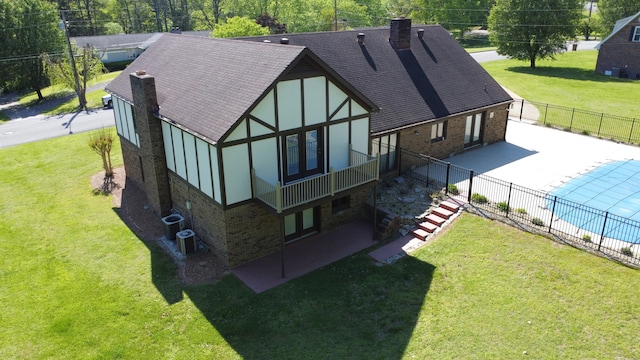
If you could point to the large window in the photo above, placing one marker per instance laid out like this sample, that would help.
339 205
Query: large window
438 131
635 34
303 154
385 146
473 129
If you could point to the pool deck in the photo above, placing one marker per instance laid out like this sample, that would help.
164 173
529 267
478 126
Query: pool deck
542 158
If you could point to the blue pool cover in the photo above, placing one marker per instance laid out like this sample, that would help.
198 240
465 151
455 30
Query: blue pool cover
614 188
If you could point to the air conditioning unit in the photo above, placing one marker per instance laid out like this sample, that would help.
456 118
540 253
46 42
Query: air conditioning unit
172 224
186 241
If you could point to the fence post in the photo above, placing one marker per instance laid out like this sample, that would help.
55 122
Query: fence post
521 108
573 111
509 198
446 183
600 126
553 211
470 186
546 110
633 122
604 225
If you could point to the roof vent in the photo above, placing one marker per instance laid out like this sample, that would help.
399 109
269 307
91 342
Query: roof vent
361 38
141 72
284 41
420 33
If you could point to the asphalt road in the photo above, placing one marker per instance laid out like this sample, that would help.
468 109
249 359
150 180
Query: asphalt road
40 127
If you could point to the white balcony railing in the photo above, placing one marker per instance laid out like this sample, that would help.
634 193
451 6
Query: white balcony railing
363 169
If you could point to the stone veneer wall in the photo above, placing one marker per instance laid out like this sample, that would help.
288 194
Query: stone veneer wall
330 221
132 164
249 231
494 131
206 218
619 52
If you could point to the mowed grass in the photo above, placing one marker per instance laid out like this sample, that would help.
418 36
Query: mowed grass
569 81
75 283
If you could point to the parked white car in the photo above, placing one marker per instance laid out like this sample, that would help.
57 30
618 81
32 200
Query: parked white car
106 101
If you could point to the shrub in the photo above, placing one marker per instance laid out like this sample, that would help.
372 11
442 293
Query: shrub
537 221
521 211
478 198
626 251
503 206
453 189
586 238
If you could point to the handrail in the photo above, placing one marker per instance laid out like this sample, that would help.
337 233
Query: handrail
365 169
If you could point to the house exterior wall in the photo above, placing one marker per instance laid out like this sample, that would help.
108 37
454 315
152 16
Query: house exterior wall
620 52
417 139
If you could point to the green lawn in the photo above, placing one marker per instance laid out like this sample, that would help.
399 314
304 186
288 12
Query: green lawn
75 283
570 81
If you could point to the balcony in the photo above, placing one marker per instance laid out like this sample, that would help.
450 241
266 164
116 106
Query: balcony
362 169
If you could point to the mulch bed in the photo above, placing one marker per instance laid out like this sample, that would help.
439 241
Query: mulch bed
197 269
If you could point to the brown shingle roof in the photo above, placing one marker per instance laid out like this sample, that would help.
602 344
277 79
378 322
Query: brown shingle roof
206 85
434 79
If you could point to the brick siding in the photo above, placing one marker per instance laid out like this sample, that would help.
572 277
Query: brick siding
619 52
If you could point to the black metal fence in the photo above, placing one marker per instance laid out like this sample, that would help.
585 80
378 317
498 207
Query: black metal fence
581 226
582 121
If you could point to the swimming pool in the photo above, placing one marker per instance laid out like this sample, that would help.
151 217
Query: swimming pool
612 188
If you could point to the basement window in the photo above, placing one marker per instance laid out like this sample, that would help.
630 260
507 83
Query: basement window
340 204
438 131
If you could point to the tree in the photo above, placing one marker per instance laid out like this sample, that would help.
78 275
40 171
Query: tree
239 26
88 67
459 15
101 142
27 29
530 30
613 10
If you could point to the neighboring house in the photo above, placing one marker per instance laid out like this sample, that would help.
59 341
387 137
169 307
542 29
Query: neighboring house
261 143
619 53
124 47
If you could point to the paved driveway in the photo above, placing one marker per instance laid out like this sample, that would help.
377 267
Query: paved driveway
542 158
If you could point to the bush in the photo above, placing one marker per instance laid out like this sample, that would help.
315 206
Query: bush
586 238
503 206
521 211
537 221
626 251
477 198
453 189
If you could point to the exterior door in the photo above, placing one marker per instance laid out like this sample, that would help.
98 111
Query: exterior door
473 130
303 154
301 223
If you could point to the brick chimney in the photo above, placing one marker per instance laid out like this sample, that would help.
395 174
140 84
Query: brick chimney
149 130
400 34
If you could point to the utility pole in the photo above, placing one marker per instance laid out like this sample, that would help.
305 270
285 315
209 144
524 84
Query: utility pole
63 26
335 15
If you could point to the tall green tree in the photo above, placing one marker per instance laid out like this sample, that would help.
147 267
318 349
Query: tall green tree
459 15
28 29
239 26
530 30
613 10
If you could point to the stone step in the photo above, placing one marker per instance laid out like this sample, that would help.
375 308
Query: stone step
451 206
435 219
420 234
428 227
442 212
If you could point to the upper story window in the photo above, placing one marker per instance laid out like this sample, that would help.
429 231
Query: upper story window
635 36
438 131
303 154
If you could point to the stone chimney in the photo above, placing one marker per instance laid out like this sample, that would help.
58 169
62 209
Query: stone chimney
400 34
151 152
